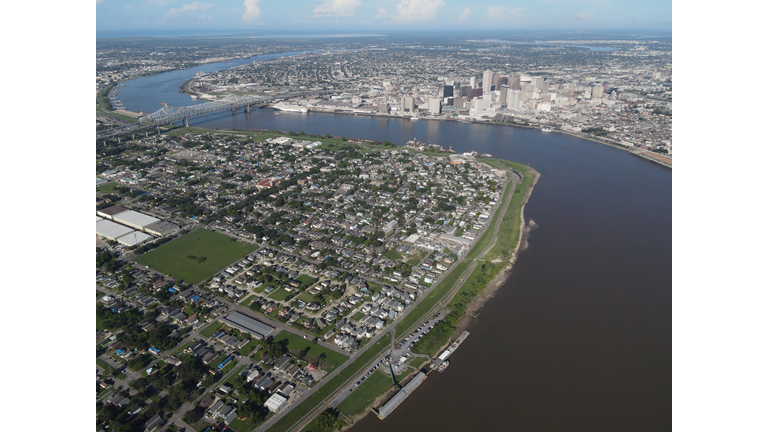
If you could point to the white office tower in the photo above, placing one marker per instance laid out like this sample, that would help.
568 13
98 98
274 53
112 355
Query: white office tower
513 99
487 81
482 107
472 82
537 82
434 106
597 92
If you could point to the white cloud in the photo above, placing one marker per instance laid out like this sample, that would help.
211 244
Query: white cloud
584 16
382 14
417 10
464 15
204 16
159 2
337 8
194 6
504 13
252 10
129 7
98 2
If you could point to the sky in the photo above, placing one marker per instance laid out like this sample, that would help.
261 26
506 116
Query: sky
371 15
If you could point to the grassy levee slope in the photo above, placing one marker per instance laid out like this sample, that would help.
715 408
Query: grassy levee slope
356 403
182 258
507 240
330 387
432 299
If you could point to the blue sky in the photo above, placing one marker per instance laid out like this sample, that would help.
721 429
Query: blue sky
341 15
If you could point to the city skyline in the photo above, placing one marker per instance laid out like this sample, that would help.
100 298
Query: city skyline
260 15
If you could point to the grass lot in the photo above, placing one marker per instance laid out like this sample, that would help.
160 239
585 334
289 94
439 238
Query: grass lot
211 329
363 396
297 344
306 297
246 425
218 249
309 404
280 294
107 188
250 346
417 259
99 324
393 255
104 365
357 316
247 300
307 280
233 377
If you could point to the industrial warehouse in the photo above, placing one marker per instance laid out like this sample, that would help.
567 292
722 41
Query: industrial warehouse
129 227
246 323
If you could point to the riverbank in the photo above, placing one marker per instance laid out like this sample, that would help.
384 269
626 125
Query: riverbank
501 277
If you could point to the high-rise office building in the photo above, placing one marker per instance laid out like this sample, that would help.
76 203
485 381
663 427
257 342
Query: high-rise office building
472 82
487 81
514 82
434 105
513 99
503 94
447 91
476 92
597 92
537 81
407 104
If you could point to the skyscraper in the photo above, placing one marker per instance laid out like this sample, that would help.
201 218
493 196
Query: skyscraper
472 82
447 91
597 92
434 105
487 81
514 82
503 94
407 104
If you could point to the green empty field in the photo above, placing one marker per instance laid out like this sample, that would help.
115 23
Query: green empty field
376 385
298 344
107 188
182 258
280 294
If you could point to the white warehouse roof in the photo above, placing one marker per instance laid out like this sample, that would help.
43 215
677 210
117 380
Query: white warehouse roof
275 402
111 230
134 238
134 218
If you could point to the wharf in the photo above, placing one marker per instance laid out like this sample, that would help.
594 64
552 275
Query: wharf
400 396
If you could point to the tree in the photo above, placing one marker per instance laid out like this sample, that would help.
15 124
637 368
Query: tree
192 416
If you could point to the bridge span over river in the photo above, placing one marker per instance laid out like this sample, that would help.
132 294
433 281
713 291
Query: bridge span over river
169 114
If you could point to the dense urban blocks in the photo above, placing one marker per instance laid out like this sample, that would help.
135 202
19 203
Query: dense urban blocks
173 259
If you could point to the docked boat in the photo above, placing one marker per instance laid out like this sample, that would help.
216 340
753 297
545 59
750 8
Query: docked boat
443 366
546 130
282 106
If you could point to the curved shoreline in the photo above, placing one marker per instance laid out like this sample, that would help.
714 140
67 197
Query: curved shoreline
496 283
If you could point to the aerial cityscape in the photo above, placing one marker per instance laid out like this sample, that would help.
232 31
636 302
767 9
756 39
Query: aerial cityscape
344 229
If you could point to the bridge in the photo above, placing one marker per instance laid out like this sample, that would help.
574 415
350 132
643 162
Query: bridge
169 114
